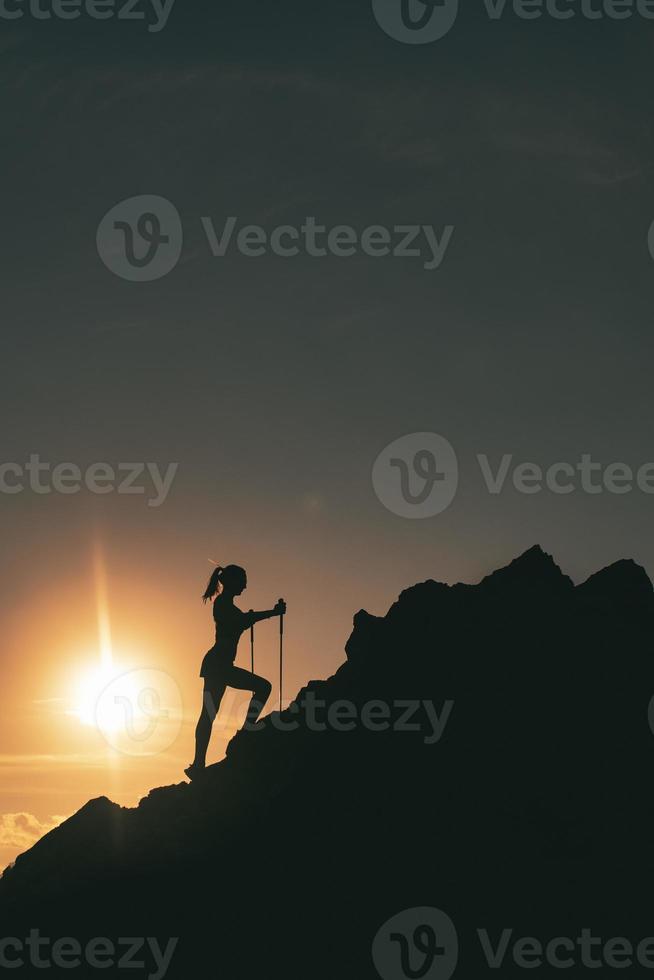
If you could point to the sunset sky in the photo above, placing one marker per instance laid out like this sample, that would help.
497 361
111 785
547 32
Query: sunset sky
273 382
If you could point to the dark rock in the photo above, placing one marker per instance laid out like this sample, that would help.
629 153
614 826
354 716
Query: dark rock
532 810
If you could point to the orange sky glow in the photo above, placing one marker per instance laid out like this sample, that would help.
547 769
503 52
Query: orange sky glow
103 677
109 634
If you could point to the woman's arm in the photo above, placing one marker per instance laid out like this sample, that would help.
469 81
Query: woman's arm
253 617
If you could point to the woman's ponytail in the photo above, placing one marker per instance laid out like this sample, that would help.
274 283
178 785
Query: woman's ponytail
212 586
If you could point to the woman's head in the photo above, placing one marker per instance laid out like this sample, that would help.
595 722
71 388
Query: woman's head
231 580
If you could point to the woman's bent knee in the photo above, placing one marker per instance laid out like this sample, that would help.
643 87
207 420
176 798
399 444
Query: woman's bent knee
262 690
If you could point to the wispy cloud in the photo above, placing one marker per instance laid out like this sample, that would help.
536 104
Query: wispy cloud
601 150
19 831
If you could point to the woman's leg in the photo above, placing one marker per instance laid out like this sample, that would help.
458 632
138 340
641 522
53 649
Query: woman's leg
244 680
211 698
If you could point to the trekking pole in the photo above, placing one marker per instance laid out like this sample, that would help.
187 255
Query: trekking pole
281 655
252 646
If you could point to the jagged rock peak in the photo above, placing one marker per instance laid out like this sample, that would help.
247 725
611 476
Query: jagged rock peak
534 569
623 579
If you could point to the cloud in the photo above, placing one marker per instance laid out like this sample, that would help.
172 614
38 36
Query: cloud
18 831
598 148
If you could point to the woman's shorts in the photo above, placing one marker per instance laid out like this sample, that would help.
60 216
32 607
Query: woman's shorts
214 668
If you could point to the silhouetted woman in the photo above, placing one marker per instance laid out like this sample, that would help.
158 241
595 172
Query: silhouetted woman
218 668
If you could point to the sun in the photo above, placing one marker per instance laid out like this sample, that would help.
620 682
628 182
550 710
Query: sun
137 710
92 708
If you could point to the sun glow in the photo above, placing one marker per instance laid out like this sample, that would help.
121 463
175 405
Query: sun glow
91 708
91 684
136 708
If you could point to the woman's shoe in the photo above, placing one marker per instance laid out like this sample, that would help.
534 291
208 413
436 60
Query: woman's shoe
194 771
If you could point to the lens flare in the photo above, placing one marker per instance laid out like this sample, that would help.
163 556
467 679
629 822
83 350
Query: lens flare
92 682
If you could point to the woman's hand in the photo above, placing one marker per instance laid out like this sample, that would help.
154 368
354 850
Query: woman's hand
280 608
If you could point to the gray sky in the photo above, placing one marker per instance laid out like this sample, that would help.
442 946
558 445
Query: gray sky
271 380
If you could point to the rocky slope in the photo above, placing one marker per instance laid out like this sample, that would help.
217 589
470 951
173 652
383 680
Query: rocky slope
502 774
